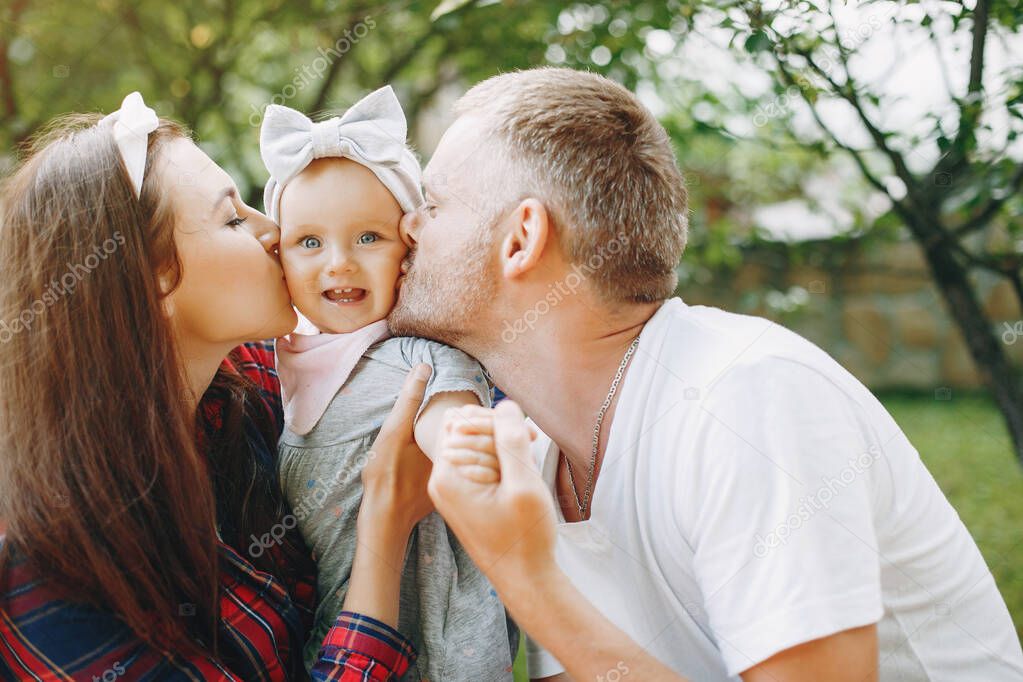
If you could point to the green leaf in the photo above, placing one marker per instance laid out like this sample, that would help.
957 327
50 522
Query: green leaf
757 42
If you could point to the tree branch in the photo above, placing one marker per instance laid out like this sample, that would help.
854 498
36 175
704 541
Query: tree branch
403 60
880 139
1017 286
1001 263
320 101
983 216
925 226
856 154
979 39
971 106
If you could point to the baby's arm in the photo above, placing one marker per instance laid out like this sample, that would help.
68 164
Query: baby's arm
468 441
431 420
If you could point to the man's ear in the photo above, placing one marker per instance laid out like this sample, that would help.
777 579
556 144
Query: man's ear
407 228
526 241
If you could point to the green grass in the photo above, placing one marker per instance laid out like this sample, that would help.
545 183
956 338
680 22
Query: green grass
964 443
520 665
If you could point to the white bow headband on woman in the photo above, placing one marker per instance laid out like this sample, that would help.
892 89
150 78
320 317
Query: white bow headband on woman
132 124
372 133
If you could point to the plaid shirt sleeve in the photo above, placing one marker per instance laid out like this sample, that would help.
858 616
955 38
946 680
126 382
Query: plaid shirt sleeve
360 648
44 637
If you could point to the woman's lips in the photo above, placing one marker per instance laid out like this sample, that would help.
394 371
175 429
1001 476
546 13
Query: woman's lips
345 296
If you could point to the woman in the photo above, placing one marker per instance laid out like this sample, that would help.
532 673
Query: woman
146 536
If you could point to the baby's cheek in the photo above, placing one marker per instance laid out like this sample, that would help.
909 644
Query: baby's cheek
390 297
297 278
394 260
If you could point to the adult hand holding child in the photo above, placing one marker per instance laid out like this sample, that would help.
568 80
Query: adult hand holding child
485 464
393 502
488 489
397 480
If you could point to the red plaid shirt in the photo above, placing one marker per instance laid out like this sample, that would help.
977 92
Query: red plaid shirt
263 619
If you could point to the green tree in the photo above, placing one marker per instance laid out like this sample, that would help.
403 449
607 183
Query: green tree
214 64
963 206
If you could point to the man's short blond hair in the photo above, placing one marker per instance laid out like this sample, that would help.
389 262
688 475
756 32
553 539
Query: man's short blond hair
602 165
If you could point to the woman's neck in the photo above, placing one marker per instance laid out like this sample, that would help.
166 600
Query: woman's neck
201 362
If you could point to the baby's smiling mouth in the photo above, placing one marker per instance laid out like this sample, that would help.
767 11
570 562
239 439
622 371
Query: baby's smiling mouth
345 295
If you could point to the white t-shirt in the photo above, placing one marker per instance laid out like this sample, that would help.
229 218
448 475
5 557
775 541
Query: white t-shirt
753 496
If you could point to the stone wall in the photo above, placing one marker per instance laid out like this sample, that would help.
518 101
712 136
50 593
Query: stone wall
876 311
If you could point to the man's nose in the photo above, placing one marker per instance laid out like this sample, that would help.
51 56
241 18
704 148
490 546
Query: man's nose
409 227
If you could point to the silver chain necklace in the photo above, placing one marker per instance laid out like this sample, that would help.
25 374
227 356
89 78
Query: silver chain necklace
584 505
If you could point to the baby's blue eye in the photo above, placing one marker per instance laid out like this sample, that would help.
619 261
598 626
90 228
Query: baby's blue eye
368 238
311 242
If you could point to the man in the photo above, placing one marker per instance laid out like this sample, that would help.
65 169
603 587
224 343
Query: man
727 497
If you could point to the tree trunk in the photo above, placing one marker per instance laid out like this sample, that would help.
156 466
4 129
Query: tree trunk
985 349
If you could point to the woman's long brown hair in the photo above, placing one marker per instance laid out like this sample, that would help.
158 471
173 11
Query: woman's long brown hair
102 487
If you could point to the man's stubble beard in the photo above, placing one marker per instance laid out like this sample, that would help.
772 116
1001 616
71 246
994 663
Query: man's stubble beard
447 303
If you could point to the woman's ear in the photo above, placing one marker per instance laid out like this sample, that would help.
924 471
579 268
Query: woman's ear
525 242
165 285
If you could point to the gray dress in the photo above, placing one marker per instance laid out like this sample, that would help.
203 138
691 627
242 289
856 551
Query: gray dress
448 608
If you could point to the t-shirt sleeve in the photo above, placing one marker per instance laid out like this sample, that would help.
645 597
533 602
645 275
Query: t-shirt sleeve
541 663
453 370
778 509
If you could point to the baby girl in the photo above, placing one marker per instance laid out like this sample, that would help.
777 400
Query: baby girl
338 190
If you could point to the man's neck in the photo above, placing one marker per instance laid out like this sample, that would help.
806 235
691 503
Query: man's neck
561 371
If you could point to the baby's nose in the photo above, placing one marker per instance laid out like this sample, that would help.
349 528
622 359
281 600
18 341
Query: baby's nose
341 260
408 229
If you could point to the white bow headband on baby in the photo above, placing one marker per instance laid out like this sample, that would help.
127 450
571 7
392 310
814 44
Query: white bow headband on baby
372 133
132 124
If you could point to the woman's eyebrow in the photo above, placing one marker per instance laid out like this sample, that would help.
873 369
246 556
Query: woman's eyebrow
226 193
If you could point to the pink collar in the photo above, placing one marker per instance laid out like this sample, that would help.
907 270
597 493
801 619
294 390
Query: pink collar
313 368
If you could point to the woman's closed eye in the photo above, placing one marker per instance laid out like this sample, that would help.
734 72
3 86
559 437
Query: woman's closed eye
310 242
236 221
